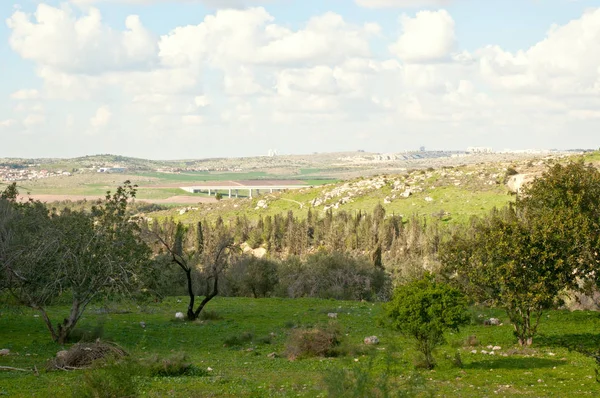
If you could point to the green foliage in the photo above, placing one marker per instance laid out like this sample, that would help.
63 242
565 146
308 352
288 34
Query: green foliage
425 309
521 258
253 276
47 253
336 275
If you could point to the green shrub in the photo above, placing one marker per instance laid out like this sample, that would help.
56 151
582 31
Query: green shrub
331 275
255 277
424 309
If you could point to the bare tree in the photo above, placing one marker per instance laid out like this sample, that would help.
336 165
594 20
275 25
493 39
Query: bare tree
202 258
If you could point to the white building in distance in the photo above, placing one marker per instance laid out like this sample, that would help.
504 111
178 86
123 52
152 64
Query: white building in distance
479 149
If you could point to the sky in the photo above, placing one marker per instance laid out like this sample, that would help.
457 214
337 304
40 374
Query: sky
175 79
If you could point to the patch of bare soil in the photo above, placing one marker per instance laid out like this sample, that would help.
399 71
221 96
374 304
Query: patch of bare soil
243 183
183 199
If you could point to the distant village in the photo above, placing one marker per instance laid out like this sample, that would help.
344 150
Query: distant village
11 173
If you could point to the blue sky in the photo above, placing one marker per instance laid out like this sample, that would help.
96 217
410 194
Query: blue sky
183 78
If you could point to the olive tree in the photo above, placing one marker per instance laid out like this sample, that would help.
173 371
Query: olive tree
523 257
81 254
203 257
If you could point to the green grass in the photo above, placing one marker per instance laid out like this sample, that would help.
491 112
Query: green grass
547 370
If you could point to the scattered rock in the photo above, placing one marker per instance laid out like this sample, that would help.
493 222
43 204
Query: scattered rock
272 355
332 315
179 315
4 352
371 340
262 204
428 199
492 322
143 325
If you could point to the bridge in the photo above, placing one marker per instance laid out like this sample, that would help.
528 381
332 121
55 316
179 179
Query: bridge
233 190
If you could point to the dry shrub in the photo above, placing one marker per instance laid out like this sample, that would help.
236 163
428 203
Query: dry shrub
472 341
319 342
173 366
83 355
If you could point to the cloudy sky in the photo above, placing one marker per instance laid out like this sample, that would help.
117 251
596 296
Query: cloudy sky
172 79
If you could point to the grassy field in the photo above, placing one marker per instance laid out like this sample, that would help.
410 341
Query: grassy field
548 369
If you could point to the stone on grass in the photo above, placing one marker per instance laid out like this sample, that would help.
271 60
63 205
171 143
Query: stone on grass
179 315
492 322
4 352
332 315
371 340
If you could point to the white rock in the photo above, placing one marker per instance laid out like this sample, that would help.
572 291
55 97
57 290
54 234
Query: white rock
371 340
179 315
4 352
332 315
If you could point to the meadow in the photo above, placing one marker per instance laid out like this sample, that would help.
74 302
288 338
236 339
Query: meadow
244 346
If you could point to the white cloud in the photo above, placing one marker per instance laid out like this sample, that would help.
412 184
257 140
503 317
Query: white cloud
402 3
34 120
210 3
58 38
201 101
566 62
428 37
101 118
26 94
192 120
7 123
249 37
241 75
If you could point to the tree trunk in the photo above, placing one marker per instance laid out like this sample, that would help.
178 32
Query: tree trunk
190 311
68 324
48 323
209 296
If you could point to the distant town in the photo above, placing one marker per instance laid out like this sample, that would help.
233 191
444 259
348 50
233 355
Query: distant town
28 169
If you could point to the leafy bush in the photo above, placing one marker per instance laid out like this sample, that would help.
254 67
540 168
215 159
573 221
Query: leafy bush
424 309
253 276
331 275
